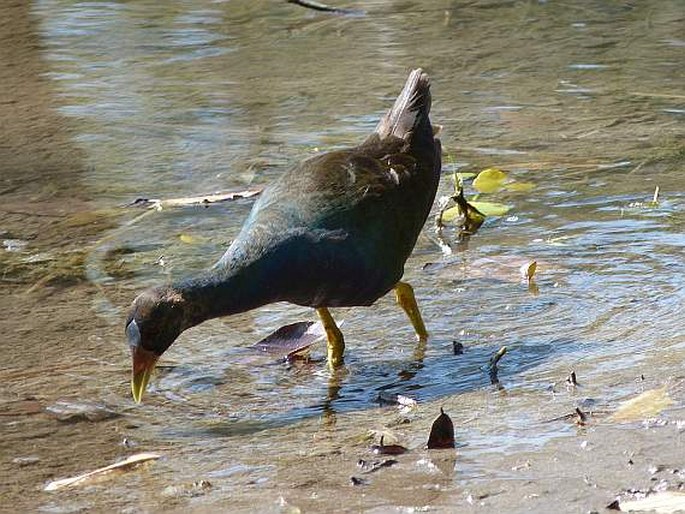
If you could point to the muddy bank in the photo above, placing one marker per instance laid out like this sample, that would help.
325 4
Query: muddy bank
40 202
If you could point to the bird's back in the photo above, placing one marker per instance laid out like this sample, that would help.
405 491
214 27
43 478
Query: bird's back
336 229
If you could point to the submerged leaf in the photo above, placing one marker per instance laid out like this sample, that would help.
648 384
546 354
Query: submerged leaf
291 340
645 405
489 180
442 432
666 502
190 239
490 208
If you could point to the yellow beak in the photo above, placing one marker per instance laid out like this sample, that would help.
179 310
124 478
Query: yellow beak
144 362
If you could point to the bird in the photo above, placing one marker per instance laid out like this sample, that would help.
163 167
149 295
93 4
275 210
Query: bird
334 230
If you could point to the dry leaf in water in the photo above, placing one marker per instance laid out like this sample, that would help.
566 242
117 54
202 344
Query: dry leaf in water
291 341
442 432
645 405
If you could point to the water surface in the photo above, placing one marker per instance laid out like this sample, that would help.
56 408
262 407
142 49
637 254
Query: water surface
582 99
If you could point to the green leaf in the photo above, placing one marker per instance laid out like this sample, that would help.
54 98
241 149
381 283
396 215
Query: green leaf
489 180
491 208
465 175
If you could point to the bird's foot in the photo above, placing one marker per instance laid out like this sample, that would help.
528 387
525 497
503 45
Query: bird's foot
336 343
404 294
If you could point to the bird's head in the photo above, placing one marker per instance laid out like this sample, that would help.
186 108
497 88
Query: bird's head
155 321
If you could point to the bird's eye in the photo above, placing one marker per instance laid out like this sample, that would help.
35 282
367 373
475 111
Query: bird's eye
133 334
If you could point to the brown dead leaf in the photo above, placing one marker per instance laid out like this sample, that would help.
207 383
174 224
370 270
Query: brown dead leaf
291 341
442 432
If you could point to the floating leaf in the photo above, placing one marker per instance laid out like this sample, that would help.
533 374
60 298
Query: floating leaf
490 208
127 464
489 180
520 187
291 340
645 405
442 432
666 502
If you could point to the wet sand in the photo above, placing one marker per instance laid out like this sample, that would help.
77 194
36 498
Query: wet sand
39 196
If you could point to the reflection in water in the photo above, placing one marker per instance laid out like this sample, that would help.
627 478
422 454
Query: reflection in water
582 99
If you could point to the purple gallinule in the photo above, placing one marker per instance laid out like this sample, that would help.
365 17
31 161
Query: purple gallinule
333 231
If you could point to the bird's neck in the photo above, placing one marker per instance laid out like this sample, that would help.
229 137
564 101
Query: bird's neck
221 292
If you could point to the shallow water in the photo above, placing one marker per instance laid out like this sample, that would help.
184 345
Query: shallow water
584 100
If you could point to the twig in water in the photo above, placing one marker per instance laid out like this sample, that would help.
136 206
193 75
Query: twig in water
309 4
492 365
155 203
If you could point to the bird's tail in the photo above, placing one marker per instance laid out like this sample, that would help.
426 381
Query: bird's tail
410 110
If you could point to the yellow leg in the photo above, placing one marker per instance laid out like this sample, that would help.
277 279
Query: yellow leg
336 343
405 297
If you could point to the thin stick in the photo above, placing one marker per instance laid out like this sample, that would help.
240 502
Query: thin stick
155 203
309 4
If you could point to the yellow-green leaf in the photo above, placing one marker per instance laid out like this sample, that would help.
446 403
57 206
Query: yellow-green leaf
451 214
645 405
465 175
520 187
489 180
491 208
